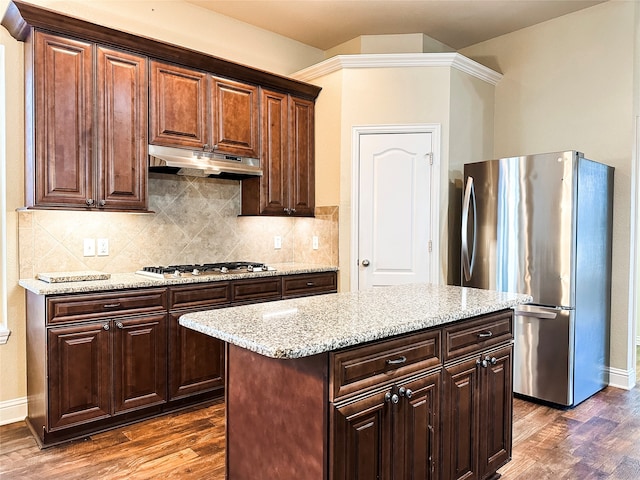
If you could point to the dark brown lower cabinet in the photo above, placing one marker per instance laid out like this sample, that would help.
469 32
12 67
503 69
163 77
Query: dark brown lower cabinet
477 416
80 356
139 362
97 360
105 368
196 361
435 404
389 434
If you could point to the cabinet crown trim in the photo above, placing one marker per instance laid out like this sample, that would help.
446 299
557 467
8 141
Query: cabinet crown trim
20 18
399 60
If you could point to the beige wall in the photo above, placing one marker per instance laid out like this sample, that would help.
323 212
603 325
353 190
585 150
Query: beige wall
170 21
569 84
460 103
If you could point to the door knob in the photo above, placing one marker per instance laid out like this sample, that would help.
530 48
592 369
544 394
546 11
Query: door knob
365 263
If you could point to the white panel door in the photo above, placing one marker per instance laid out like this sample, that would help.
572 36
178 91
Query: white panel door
394 209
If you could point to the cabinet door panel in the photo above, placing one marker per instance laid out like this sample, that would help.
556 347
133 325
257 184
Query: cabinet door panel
178 110
122 125
274 153
301 157
79 374
140 362
419 420
63 121
362 439
460 421
496 411
235 123
196 361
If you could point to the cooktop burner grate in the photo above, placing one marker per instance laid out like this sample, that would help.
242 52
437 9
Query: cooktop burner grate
171 271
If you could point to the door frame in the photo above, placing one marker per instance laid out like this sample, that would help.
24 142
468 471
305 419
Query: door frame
434 221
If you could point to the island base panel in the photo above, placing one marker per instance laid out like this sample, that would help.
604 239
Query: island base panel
276 416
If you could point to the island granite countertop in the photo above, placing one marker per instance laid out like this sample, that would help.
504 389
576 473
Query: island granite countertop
307 326
123 281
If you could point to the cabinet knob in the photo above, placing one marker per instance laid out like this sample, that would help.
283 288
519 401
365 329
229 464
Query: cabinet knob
494 360
102 203
405 392
287 211
119 325
90 202
365 263
388 397
106 326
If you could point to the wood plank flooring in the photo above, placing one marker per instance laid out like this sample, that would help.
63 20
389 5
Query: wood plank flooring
599 439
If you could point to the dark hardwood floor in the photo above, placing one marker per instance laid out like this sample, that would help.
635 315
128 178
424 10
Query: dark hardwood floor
599 439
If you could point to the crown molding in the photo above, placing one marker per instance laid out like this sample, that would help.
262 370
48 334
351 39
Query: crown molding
399 60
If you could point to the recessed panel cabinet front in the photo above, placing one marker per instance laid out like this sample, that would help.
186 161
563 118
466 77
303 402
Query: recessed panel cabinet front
362 432
196 360
87 130
235 117
140 362
122 130
79 374
62 121
178 111
287 186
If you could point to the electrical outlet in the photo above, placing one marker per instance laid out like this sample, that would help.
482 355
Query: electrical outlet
89 247
314 242
277 242
103 247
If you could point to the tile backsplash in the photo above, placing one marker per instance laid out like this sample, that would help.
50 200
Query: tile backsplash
195 221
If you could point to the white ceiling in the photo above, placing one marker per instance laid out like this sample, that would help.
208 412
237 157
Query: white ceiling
457 23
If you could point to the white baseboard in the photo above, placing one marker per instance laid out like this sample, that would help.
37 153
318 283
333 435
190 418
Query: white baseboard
12 411
625 379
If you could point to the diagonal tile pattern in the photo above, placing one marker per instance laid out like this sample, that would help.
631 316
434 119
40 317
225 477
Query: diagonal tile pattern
196 220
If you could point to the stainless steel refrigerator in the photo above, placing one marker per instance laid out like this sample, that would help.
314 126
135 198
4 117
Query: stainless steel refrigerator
541 225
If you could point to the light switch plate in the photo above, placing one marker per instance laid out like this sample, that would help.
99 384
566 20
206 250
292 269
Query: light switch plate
277 242
89 247
314 242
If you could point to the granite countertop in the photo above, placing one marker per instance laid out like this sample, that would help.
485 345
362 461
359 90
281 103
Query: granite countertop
122 281
307 326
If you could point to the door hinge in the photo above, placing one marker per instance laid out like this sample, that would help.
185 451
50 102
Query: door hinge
430 246
430 156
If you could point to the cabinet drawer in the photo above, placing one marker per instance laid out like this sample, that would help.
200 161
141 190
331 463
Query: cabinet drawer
309 284
100 305
370 366
257 289
469 337
200 295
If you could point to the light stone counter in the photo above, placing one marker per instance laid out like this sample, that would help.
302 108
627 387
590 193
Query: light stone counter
122 281
307 326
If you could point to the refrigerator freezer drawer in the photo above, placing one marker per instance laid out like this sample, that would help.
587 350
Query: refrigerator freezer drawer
543 351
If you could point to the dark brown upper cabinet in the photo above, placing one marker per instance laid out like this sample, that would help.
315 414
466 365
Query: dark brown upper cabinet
90 120
193 109
287 186
76 159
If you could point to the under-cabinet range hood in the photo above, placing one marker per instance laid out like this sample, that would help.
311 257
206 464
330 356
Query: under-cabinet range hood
182 161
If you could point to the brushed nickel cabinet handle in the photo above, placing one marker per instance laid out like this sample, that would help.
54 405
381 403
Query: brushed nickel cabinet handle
397 361
486 334
111 305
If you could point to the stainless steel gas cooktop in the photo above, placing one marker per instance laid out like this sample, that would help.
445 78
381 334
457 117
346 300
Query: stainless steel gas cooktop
196 270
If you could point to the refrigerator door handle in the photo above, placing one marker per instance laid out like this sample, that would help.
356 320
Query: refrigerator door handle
531 311
468 201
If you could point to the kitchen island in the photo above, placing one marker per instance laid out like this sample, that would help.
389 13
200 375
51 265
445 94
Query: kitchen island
410 381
